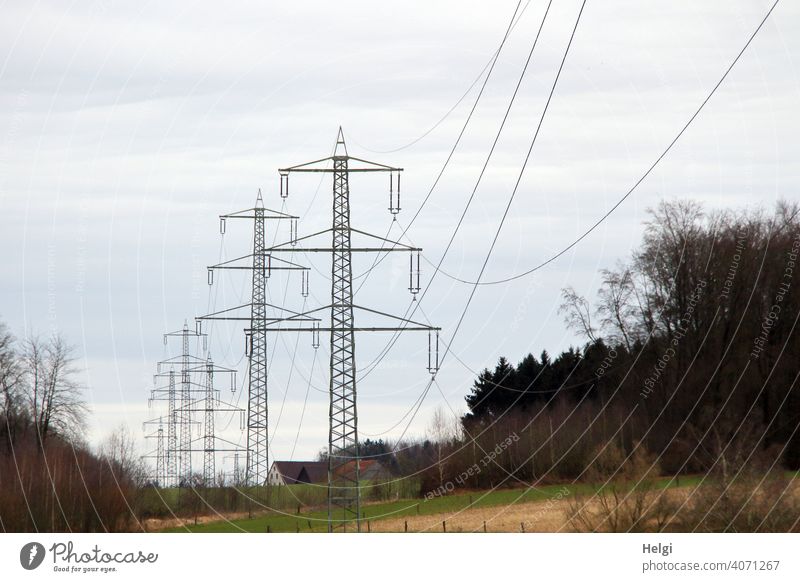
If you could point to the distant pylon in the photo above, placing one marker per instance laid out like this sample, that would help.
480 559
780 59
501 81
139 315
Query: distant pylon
161 469
180 403
210 405
171 469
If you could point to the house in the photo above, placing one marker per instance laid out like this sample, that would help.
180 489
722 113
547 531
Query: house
368 470
294 472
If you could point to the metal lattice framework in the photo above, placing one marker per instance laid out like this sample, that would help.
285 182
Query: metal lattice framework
209 406
208 434
343 464
183 412
177 452
184 443
165 453
261 264
201 397
172 436
159 455
344 498
257 411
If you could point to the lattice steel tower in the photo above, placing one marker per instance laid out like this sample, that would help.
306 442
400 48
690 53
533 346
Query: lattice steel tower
261 264
180 402
210 405
172 436
257 411
160 476
344 497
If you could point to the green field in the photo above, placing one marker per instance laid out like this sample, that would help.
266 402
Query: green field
316 520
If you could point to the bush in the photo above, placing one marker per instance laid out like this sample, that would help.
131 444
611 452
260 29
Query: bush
625 498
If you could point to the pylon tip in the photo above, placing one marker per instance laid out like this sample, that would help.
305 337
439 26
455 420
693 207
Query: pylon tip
340 144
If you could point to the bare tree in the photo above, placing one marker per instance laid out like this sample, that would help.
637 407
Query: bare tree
577 314
11 412
118 451
54 397
442 432
615 304
10 373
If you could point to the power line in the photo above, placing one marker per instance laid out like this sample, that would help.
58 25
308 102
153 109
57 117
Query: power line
636 184
583 236
416 305
489 65
449 344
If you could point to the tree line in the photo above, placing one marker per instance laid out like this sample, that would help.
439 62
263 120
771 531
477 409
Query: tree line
690 356
50 478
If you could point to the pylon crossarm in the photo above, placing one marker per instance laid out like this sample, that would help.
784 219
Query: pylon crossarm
165 420
268 214
221 314
309 166
349 329
299 317
215 369
175 359
398 318
181 333
378 166
293 247
229 264
383 239
166 389
231 443
304 167
352 250
220 407
293 242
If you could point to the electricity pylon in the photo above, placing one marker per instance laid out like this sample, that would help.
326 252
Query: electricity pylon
210 405
159 455
166 453
344 498
178 414
261 264
178 450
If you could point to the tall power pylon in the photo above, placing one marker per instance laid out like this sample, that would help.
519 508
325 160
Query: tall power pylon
344 496
261 264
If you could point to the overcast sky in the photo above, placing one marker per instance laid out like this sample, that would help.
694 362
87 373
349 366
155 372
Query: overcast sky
127 128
